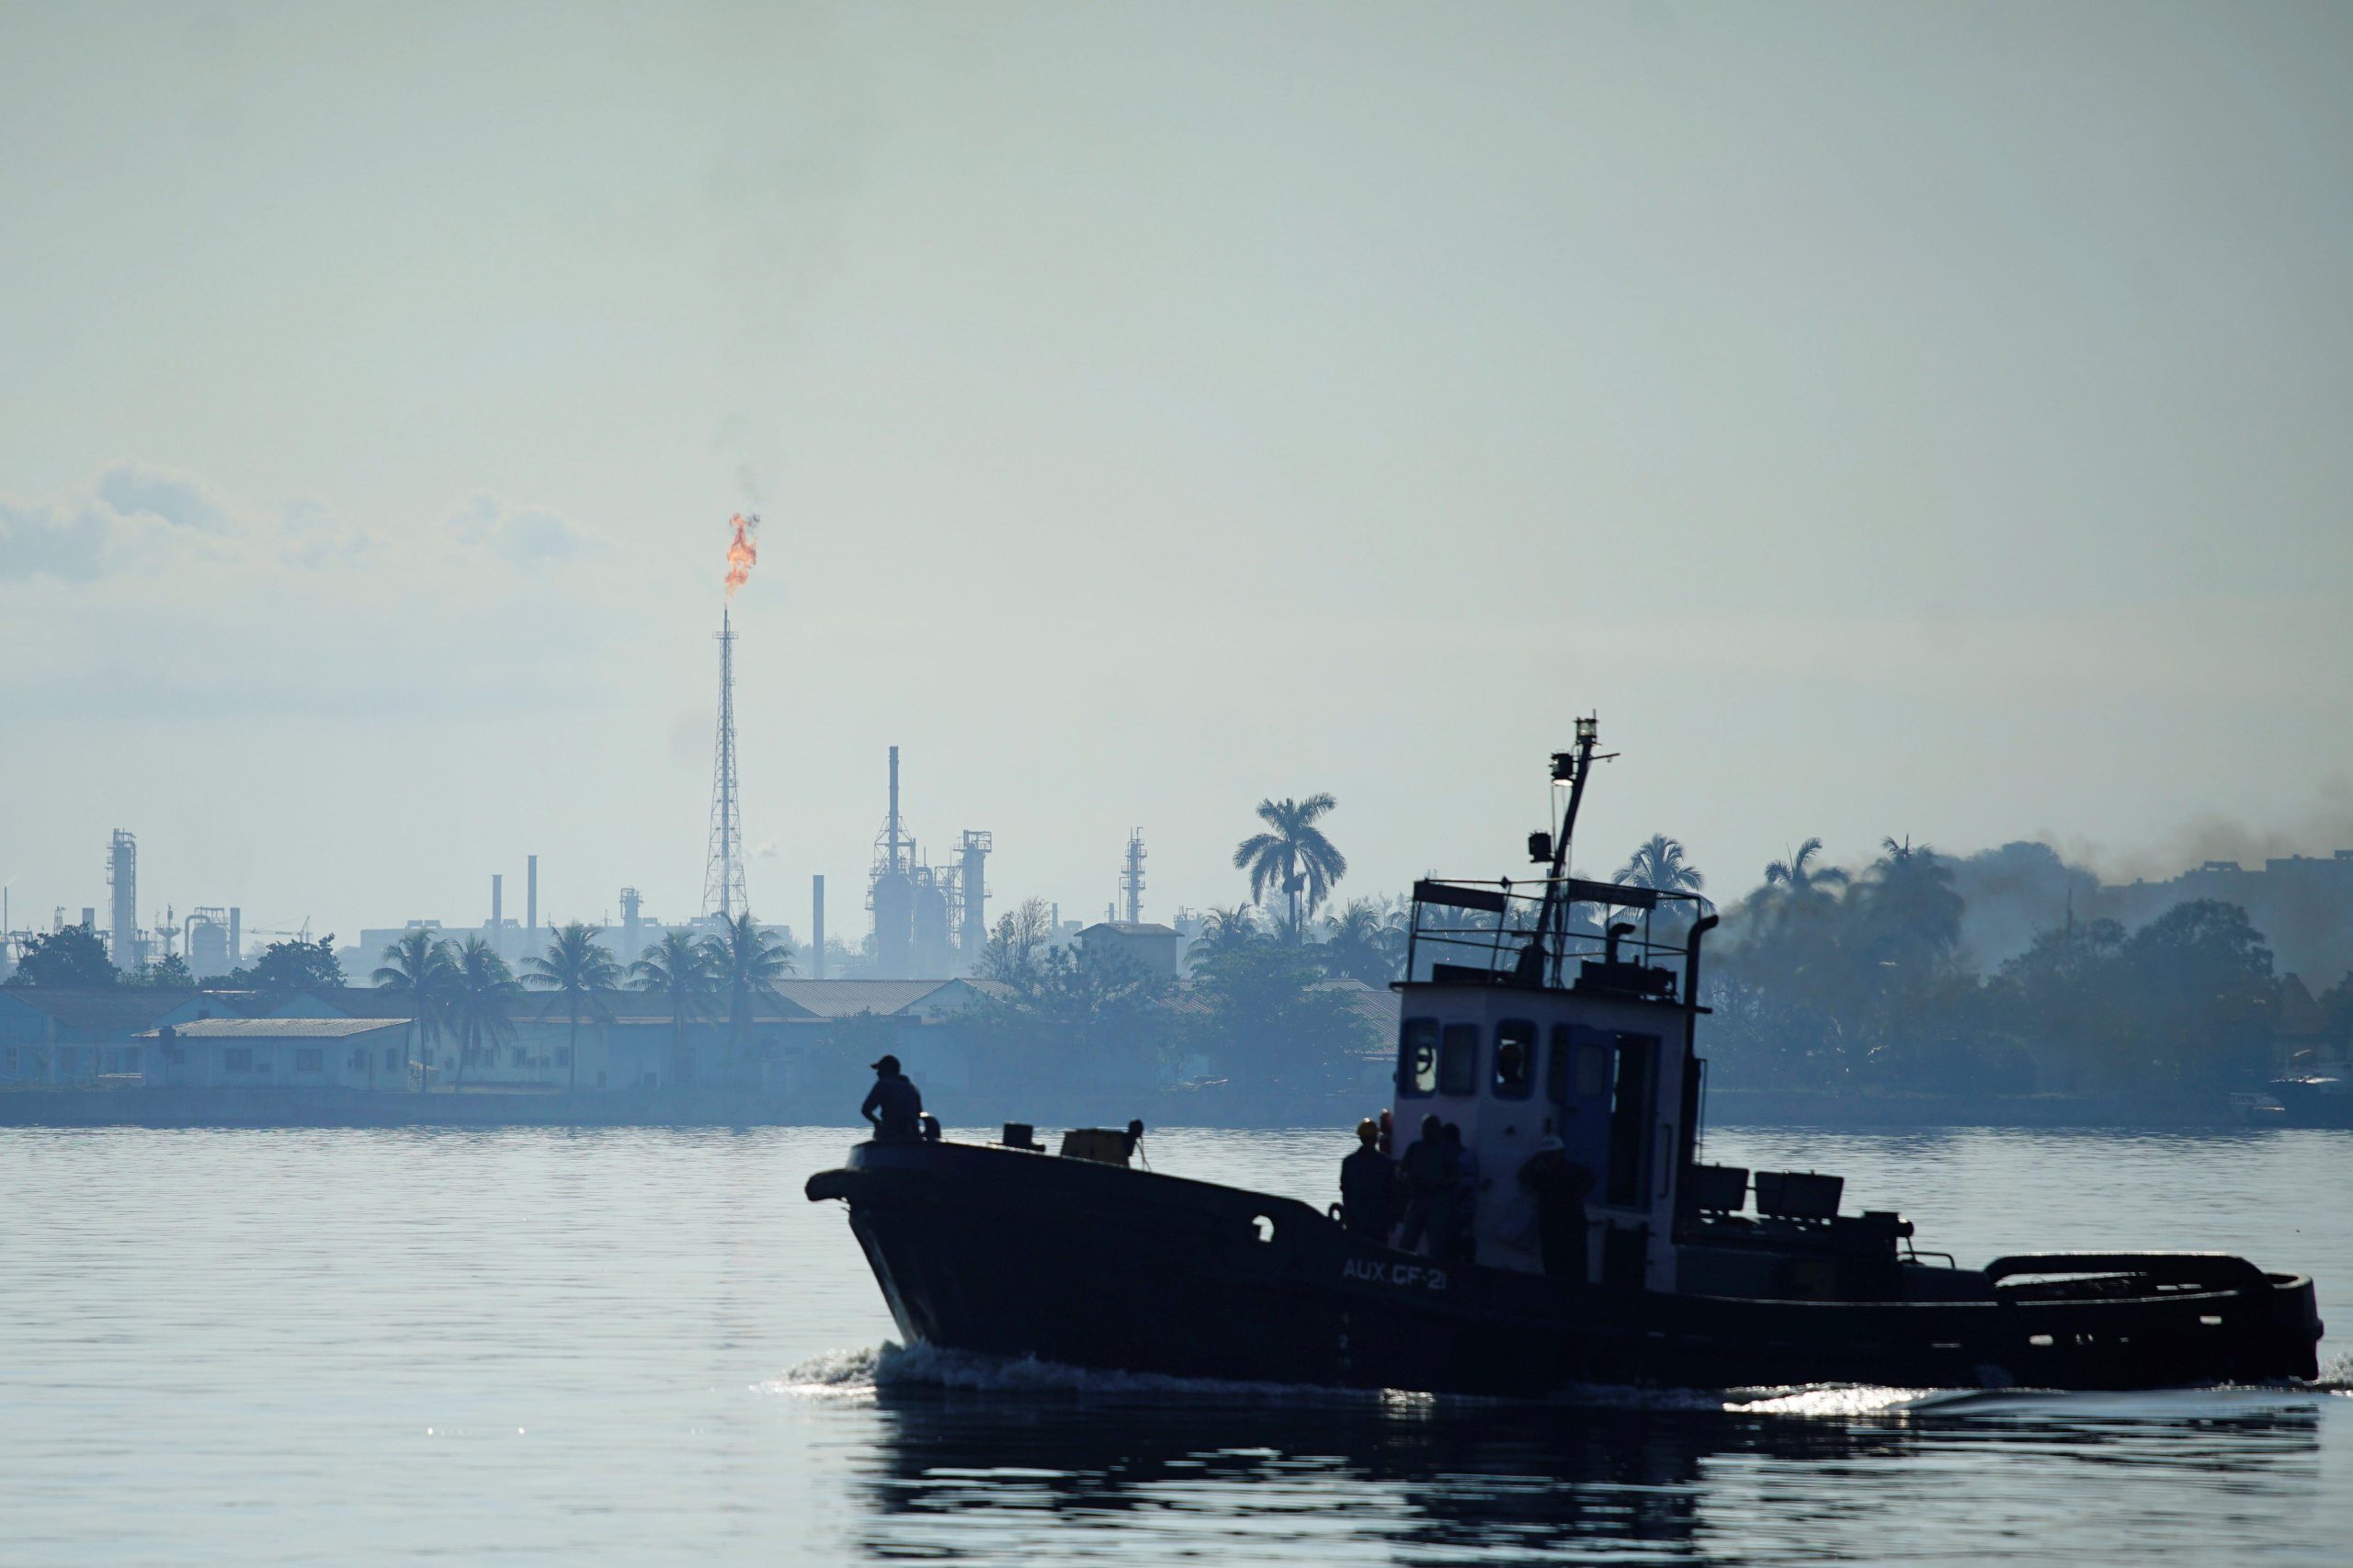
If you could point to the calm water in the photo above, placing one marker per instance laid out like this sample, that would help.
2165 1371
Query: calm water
621 1346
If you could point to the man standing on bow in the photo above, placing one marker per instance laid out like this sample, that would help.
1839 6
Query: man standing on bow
893 1105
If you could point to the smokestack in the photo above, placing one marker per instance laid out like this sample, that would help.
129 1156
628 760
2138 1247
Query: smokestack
497 902
122 883
817 920
236 936
894 808
531 894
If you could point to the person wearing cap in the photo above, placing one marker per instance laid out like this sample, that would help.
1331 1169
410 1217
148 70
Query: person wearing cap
1368 1186
893 1105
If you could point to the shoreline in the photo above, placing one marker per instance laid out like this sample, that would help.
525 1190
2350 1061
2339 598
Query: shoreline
722 1106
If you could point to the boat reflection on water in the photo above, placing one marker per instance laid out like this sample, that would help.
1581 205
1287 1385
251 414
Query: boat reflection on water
965 1475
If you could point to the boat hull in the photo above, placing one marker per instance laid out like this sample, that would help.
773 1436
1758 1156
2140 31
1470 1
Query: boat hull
2306 1103
1012 1253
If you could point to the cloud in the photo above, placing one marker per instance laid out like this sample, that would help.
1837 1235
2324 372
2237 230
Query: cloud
139 519
314 537
178 499
47 541
136 517
523 535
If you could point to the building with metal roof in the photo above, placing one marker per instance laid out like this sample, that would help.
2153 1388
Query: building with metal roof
339 1053
73 1036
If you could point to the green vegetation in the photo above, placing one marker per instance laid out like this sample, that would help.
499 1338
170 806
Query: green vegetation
297 965
419 965
73 958
1074 1016
1832 983
746 965
1015 943
1257 1013
1294 855
467 991
1365 941
479 988
168 972
679 969
1265 1020
576 967
1659 864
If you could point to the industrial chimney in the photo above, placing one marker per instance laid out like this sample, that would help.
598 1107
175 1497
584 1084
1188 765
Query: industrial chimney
891 894
497 905
122 884
817 920
531 896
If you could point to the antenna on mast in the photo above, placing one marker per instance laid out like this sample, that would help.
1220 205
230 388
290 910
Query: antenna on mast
1569 769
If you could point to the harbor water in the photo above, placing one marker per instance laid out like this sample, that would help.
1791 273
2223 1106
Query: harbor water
630 1346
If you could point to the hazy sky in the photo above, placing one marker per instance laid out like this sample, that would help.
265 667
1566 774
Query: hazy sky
1891 419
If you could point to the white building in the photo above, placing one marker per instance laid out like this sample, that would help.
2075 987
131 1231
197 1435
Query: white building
308 1053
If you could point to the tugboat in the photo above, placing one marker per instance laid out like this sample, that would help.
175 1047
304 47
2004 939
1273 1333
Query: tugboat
1537 1029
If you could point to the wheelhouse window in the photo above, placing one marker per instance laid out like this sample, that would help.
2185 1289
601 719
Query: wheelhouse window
1458 1060
1417 1059
1515 1066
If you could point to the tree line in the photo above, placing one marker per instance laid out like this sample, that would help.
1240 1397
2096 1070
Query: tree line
466 990
1828 981
75 958
1824 980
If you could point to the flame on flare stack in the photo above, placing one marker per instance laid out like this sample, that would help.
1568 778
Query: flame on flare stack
742 551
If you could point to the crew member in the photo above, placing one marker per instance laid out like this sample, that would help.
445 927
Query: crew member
893 1105
1559 1185
1430 1176
1460 1234
1368 1186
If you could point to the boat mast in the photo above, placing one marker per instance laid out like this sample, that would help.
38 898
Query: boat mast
1570 767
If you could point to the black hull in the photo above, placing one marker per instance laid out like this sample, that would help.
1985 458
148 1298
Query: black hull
1010 1253
2303 1105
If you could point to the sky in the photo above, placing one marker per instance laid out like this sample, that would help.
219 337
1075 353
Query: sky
1889 420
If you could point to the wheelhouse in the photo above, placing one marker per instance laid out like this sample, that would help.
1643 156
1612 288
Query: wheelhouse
1522 1020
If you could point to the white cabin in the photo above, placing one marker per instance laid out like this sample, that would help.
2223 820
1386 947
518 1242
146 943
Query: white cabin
1510 1053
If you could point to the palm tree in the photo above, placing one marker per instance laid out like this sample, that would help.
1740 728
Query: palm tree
481 987
1659 864
1913 902
1227 930
1293 854
677 968
418 963
1802 885
746 964
1798 873
1363 943
575 967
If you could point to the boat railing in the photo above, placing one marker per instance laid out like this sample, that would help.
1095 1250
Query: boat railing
1557 932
